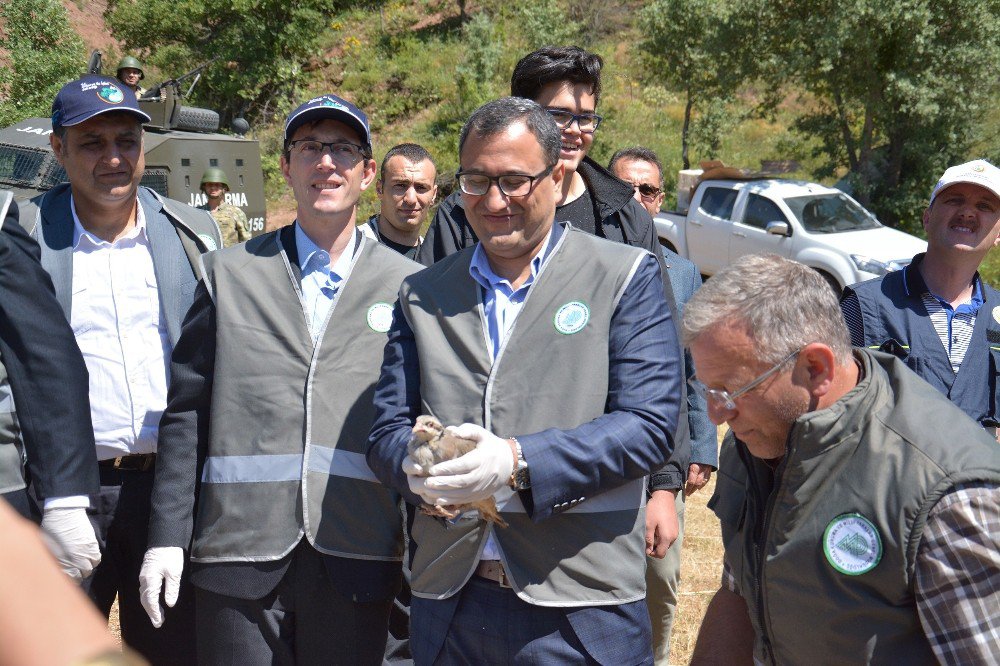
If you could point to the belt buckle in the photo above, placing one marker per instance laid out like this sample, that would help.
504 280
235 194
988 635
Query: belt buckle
504 580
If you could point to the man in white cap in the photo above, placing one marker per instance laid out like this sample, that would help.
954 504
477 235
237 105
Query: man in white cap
937 314
296 549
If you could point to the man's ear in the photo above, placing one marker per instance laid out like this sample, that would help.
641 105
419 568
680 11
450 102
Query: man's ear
371 169
57 146
284 169
378 187
821 366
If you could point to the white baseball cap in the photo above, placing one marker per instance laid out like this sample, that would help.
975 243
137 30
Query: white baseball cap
976 172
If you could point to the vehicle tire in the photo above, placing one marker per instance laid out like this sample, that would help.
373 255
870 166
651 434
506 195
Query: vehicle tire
193 119
667 244
832 281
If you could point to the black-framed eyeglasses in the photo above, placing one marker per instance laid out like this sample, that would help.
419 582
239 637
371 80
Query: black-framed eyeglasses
726 400
510 184
342 152
587 122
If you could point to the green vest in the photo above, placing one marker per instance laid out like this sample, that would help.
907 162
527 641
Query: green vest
541 378
820 586
290 417
11 447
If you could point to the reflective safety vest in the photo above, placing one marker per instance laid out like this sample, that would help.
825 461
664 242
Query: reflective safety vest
289 416
550 372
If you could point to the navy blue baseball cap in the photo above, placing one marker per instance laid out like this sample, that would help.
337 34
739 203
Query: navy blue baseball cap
333 107
92 95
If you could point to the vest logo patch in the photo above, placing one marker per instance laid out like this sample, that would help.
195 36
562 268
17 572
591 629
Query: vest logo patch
996 314
852 544
209 242
571 318
380 317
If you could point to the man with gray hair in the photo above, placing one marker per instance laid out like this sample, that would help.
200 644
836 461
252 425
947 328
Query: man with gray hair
856 525
566 375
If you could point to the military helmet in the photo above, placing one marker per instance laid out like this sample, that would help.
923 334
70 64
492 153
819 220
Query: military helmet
214 175
130 61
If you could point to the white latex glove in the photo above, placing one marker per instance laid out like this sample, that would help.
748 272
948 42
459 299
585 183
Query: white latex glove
71 529
416 476
161 571
475 476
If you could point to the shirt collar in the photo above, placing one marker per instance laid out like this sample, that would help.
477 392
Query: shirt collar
913 283
482 272
80 234
313 258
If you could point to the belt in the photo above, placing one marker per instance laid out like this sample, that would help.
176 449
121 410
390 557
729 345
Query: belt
493 570
136 462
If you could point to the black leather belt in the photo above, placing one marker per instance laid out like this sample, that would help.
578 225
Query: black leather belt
137 462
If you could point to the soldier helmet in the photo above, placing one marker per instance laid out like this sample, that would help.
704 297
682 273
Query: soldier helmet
214 175
127 62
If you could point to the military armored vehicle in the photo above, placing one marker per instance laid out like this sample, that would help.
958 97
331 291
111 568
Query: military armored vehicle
180 143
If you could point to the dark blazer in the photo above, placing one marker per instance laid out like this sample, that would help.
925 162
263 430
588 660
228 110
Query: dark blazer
177 234
685 280
46 371
185 427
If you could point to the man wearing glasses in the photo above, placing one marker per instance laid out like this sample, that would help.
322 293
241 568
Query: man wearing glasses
860 508
640 167
566 81
554 352
295 547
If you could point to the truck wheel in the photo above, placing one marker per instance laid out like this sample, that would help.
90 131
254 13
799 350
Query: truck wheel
667 244
832 281
193 119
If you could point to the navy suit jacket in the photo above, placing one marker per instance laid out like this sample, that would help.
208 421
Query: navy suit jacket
685 280
47 375
642 411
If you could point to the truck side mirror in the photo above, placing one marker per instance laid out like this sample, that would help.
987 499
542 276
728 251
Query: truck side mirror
778 229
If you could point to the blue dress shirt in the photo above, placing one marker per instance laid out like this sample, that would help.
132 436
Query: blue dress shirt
321 282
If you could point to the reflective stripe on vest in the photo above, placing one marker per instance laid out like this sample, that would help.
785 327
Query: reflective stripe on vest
286 467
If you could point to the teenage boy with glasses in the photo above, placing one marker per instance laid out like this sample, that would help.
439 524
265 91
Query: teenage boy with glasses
566 81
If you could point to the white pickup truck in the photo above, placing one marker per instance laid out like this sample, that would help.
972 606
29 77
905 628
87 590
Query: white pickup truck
816 225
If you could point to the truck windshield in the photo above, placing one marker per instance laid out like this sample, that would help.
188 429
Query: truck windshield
830 213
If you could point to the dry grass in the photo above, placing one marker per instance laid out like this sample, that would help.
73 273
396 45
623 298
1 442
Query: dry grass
701 570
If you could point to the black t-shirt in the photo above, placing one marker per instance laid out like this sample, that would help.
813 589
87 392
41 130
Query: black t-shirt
580 213
408 251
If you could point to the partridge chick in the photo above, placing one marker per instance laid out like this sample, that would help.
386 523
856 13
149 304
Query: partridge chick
432 443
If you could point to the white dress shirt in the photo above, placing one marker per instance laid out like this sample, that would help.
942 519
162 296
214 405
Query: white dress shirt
120 328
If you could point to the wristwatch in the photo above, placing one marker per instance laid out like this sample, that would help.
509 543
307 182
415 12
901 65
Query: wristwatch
519 478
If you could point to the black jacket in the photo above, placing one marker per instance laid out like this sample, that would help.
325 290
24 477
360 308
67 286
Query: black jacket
47 374
619 218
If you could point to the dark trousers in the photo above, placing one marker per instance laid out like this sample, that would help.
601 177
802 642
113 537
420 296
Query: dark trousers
488 624
304 620
121 520
397 646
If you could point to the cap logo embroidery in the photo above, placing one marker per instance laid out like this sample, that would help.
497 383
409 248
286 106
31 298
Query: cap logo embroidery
852 544
111 94
979 168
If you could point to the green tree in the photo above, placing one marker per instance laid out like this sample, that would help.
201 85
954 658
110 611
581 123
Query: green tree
899 89
687 48
44 54
264 46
